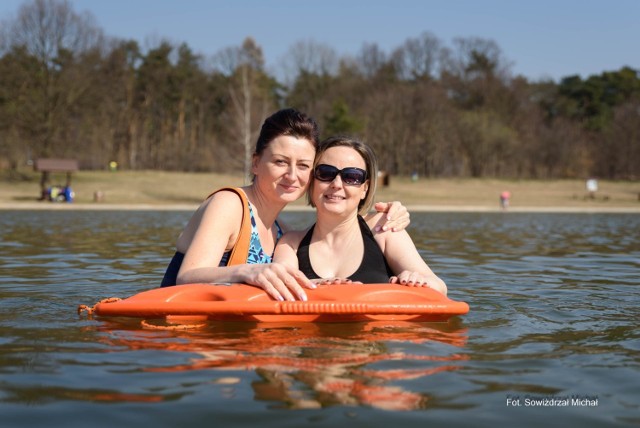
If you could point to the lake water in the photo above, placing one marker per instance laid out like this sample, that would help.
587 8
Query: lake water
554 312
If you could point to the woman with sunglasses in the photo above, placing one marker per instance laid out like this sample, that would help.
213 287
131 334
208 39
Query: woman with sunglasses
340 247
281 166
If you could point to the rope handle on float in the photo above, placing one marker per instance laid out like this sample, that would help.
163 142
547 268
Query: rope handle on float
91 309
145 324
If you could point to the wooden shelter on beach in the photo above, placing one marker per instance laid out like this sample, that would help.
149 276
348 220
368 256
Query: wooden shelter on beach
49 165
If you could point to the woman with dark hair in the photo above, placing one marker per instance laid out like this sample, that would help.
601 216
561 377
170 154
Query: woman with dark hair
281 168
340 247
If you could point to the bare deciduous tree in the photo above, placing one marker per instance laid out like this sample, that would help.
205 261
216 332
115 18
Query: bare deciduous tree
371 60
418 58
58 38
248 94
310 57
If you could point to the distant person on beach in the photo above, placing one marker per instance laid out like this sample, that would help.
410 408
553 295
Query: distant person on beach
281 166
592 187
340 246
504 199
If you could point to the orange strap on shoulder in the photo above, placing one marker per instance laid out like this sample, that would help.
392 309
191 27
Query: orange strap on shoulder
240 250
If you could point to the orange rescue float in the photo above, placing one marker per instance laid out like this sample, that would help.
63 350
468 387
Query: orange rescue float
327 303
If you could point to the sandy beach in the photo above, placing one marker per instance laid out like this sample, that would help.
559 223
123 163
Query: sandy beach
29 206
176 191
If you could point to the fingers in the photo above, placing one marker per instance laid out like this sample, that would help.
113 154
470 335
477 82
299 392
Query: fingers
401 223
430 281
276 281
397 216
390 208
381 207
274 286
301 279
411 279
393 208
282 282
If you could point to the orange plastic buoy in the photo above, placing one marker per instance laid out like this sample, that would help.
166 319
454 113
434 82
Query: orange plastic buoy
327 303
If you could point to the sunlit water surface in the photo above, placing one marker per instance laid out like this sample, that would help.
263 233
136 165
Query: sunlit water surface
554 312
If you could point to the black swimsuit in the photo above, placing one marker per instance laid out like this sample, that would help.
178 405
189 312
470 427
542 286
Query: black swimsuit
373 269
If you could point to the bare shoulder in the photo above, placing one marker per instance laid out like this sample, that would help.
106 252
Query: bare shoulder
219 213
224 197
388 240
223 204
293 238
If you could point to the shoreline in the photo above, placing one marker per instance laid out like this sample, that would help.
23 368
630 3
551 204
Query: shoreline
44 206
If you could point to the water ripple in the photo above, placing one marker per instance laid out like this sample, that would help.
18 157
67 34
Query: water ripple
554 305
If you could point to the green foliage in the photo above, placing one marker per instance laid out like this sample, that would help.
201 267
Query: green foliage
340 122
592 101
308 90
425 107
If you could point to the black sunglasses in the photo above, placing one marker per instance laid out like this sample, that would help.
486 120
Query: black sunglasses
350 176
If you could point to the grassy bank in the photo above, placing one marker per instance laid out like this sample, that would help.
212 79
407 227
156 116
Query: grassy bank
166 188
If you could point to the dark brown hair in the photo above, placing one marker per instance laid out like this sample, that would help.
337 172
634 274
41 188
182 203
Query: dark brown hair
289 122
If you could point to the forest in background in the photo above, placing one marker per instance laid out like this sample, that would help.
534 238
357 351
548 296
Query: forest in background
67 90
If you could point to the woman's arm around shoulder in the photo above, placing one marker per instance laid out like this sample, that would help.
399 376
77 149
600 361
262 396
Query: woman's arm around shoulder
391 216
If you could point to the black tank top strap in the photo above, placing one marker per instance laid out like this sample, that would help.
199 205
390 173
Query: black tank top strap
374 267
304 262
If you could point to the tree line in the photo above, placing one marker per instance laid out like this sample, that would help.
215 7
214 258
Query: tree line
427 107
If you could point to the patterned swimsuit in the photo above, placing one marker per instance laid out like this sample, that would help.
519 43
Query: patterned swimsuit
256 255
256 252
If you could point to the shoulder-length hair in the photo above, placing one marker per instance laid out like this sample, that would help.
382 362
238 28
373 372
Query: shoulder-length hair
370 161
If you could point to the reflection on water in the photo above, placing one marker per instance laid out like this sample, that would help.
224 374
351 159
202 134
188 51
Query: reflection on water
554 305
306 365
